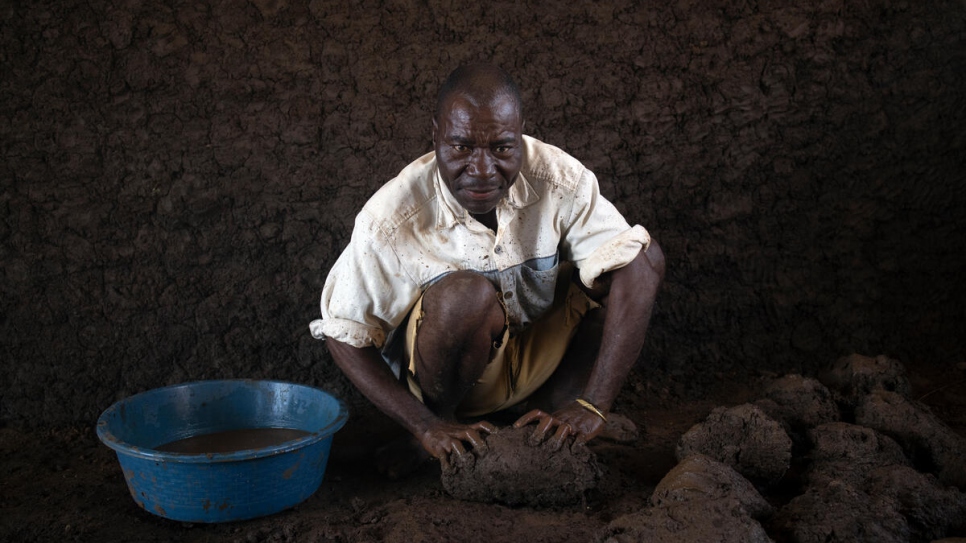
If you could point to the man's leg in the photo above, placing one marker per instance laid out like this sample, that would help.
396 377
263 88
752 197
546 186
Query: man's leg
570 377
459 320
579 364
462 317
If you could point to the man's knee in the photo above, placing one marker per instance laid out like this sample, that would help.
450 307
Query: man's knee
463 297
655 260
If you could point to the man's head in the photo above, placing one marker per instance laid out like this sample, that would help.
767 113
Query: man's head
478 135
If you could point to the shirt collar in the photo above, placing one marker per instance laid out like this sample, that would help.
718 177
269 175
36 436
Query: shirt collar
450 212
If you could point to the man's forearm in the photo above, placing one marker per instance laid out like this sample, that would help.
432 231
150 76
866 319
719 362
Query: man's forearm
629 305
368 371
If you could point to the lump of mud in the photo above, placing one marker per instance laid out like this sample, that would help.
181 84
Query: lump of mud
801 402
925 438
720 521
700 499
931 510
698 479
743 437
854 462
847 452
514 472
839 513
853 377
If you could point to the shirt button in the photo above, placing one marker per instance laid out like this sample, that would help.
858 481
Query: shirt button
498 250
507 295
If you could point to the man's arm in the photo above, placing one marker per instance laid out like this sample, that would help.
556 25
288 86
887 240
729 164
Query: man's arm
372 376
629 303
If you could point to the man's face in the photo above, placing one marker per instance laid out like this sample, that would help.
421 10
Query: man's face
479 149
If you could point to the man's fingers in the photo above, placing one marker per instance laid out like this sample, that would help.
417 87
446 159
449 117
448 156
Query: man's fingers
546 424
475 440
539 433
529 417
563 432
485 426
544 427
524 420
444 461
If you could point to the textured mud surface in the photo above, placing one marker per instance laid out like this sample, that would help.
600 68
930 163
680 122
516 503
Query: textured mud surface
859 484
743 437
177 177
699 500
926 438
516 471
63 485
798 401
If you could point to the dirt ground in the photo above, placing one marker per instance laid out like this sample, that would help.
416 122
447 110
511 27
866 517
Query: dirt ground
66 486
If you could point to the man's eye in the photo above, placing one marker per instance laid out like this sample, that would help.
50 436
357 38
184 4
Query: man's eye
459 147
503 149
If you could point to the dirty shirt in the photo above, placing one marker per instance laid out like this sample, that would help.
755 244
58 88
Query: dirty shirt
412 232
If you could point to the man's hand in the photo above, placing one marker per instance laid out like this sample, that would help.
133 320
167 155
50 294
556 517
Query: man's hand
443 438
572 420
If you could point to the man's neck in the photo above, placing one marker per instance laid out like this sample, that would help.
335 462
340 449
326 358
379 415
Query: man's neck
487 219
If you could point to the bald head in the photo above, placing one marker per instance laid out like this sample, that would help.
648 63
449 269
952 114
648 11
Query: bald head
480 84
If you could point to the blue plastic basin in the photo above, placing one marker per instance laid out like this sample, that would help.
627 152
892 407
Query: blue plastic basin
220 487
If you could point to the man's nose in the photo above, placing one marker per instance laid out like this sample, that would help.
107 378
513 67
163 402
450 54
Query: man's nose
482 165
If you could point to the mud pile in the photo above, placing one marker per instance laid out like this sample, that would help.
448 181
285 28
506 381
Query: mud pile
701 499
515 470
850 458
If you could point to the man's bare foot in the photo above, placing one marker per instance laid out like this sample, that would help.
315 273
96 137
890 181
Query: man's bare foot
400 457
619 429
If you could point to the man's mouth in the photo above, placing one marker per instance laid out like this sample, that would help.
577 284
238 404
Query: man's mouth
481 193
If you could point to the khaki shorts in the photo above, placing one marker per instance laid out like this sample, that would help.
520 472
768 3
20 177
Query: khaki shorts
519 364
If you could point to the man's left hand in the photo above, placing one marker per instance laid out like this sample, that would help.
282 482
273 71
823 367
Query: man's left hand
572 420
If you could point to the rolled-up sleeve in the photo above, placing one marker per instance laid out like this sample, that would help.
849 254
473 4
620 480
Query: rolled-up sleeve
367 292
597 236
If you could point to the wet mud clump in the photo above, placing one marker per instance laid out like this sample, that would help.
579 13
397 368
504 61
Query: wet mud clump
885 478
798 403
893 502
701 499
931 510
868 465
513 470
700 478
801 402
847 452
841 512
853 377
925 438
743 437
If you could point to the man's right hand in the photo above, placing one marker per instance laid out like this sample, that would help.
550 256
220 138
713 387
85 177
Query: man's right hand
443 438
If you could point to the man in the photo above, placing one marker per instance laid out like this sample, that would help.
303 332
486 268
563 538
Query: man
469 273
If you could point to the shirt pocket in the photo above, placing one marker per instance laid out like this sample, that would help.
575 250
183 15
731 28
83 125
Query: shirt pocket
534 287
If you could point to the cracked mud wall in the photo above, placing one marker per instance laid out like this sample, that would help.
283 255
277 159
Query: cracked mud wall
177 177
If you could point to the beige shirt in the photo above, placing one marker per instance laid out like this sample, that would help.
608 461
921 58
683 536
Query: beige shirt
413 231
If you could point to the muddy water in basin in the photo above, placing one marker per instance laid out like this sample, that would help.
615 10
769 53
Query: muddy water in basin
233 440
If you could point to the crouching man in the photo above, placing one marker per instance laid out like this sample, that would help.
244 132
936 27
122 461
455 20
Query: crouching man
489 274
